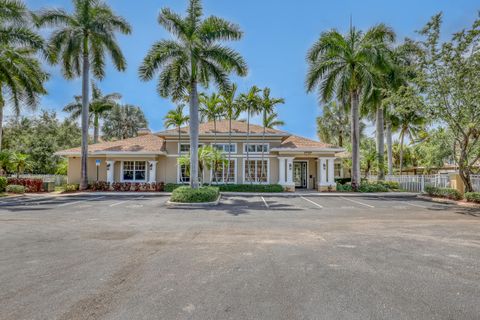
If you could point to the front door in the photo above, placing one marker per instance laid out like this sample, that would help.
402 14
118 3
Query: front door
300 174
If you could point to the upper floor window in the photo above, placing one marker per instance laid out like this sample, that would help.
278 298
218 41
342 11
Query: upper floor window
256 148
225 147
185 147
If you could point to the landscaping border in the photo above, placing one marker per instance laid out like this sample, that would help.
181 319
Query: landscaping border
449 201
193 204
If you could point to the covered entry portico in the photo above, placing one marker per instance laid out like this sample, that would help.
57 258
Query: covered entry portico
306 171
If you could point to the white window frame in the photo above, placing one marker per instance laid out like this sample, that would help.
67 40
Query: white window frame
179 172
234 170
134 163
256 159
256 144
186 144
223 144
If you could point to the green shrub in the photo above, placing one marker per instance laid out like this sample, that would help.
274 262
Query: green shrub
3 183
344 188
372 187
250 187
473 197
15 188
169 187
447 193
185 194
391 185
71 187
343 180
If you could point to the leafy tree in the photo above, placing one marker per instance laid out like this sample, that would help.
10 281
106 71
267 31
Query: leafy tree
176 118
99 105
123 122
333 125
209 158
435 150
40 137
452 84
194 57
80 44
211 110
21 75
369 157
20 162
346 66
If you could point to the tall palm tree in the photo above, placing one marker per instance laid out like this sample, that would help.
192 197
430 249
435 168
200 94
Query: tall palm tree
80 44
123 122
211 110
347 66
21 76
333 125
194 57
176 118
411 124
391 126
272 121
266 107
231 108
98 108
250 103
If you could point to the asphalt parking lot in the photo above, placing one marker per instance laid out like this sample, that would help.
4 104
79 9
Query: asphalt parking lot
93 256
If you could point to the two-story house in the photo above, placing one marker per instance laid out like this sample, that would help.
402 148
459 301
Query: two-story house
274 157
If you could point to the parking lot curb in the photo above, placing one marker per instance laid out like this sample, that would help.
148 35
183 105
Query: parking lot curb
321 194
449 201
193 205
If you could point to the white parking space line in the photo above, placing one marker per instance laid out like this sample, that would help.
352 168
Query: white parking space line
405 202
79 201
308 200
357 202
265 202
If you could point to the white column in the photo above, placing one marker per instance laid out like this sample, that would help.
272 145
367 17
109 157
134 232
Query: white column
323 171
152 172
281 171
331 171
289 171
110 171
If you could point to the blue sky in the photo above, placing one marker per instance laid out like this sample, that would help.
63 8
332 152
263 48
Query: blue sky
278 34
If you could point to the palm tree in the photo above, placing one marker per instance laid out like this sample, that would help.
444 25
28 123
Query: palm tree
411 125
391 126
98 108
80 43
250 103
267 107
123 122
333 125
347 66
211 110
21 76
272 121
231 108
20 162
195 56
176 118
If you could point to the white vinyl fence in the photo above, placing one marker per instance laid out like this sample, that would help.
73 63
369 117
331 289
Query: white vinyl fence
58 179
417 183
475 182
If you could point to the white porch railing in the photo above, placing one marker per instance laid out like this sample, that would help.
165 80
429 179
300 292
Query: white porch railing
417 183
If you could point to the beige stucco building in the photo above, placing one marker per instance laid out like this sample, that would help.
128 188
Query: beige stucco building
274 157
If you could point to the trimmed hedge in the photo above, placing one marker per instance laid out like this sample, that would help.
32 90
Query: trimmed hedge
447 193
15 188
169 187
391 185
344 188
473 197
31 185
71 187
3 183
250 187
185 194
372 187
343 181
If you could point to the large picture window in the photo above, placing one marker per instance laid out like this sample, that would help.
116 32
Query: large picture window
256 171
256 148
225 173
184 174
134 171
185 147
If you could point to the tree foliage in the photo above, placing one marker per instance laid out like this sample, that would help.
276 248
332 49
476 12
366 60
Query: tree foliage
123 122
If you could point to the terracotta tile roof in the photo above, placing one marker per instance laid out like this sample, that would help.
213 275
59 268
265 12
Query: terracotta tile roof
297 142
238 127
143 143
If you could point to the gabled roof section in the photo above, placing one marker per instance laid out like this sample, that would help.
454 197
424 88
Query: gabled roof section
297 143
238 128
144 144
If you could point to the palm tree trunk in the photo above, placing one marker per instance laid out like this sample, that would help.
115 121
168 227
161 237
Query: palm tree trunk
229 148
214 171
263 143
194 135
402 135
95 128
249 176
380 144
389 147
355 132
85 97
2 105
